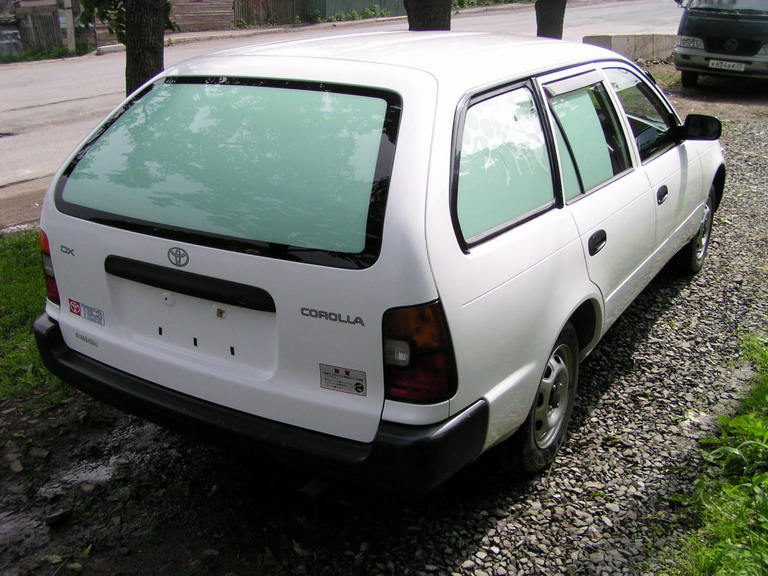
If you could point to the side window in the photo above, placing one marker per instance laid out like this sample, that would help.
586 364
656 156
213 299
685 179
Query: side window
571 182
649 118
592 135
504 170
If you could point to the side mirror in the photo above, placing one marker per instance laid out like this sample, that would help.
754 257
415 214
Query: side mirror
679 2
700 127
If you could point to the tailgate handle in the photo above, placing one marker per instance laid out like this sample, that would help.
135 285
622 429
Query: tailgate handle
195 285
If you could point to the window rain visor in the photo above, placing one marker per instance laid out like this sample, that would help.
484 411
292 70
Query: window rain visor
284 169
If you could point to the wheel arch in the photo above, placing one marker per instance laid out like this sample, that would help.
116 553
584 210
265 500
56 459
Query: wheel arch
719 184
586 320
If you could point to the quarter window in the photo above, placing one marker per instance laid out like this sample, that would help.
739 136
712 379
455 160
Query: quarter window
591 134
504 170
649 118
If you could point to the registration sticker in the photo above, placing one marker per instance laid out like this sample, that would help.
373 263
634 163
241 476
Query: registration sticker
88 312
343 380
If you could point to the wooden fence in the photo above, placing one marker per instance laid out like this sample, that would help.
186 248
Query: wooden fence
40 30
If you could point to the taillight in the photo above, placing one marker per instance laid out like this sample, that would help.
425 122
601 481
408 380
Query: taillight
51 288
419 365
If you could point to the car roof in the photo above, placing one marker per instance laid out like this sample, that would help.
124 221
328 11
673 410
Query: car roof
454 58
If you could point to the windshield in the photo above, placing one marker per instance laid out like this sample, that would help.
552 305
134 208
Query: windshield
730 5
286 169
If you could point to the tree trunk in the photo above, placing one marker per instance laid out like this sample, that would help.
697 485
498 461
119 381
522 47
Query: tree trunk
550 15
144 38
428 14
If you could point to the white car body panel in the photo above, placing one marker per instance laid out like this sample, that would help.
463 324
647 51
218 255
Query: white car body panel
505 299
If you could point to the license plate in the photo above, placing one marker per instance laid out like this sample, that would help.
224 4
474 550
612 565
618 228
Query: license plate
723 65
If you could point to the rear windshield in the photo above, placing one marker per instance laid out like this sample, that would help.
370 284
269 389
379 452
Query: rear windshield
283 169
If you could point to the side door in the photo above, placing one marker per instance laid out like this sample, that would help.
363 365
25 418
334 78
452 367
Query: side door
673 168
609 200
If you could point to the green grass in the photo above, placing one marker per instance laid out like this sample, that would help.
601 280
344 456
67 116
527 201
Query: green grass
731 497
30 54
22 299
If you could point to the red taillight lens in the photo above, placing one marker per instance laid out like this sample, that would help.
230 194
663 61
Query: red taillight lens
419 365
51 288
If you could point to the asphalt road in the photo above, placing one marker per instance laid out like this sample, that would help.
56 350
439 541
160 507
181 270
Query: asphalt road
48 107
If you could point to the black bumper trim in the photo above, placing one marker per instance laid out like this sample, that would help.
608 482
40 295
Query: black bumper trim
400 458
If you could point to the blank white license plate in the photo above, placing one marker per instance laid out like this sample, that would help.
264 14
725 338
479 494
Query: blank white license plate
723 65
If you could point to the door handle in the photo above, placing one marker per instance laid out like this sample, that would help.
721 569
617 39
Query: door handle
597 242
662 195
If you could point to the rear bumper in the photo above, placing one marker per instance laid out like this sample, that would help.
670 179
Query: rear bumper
400 458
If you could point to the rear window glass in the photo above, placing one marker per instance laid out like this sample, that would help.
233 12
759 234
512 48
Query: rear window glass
289 170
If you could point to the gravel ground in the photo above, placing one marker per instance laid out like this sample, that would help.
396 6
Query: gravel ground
85 489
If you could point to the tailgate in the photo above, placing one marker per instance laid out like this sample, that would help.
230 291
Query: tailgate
281 340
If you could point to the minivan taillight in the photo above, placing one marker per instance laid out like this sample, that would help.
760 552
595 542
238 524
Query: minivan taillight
419 365
51 288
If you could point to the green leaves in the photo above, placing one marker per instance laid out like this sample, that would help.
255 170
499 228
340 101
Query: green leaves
112 13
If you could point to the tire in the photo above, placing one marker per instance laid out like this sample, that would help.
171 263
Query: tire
690 259
689 79
535 444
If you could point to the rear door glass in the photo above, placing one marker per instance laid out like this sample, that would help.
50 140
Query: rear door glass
291 168
589 126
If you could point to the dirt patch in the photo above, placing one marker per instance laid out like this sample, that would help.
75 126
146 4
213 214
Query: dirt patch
730 99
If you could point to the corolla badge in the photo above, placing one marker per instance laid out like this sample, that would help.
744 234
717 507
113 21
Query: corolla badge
178 256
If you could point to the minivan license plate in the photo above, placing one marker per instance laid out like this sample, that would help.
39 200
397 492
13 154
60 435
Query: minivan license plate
723 65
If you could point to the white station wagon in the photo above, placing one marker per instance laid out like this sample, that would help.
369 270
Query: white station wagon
373 256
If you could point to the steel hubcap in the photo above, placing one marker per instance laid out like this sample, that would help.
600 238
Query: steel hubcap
702 238
553 397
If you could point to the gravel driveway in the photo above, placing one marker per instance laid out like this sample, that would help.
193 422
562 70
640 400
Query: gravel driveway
85 489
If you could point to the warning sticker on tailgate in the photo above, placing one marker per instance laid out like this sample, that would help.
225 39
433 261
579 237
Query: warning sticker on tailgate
343 380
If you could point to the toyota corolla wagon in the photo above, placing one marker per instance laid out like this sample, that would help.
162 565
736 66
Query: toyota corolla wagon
373 256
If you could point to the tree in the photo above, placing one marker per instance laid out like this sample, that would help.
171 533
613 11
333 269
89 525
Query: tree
550 15
140 25
428 14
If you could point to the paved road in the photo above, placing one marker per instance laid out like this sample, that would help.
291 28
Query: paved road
47 107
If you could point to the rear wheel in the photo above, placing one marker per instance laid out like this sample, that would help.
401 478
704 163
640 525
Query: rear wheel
689 79
535 444
690 259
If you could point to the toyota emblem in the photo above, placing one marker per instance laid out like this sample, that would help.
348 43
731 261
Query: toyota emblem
178 256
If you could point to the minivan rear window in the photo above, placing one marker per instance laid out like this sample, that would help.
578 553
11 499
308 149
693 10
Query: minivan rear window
284 169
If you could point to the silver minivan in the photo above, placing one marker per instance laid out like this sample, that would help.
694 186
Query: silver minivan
373 256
